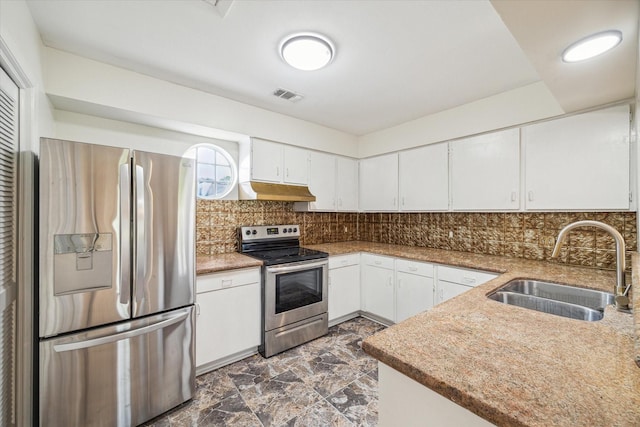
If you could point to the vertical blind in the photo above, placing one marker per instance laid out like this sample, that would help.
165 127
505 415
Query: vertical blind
8 244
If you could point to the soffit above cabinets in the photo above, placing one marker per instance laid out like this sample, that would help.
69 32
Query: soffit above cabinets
395 60
544 29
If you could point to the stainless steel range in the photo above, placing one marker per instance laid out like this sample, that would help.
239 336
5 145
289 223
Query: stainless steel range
294 286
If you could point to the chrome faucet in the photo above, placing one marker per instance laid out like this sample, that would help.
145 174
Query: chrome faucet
621 291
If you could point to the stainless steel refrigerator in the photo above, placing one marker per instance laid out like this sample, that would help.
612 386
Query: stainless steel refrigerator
116 284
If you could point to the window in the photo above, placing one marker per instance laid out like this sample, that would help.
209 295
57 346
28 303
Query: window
216 172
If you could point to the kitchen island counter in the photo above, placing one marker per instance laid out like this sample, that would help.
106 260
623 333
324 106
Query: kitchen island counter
510 365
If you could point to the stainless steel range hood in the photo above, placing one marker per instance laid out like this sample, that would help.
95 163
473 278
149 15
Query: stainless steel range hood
255 190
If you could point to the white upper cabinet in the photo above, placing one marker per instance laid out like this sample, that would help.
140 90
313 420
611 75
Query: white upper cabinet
379 183
347 184
322 181
334 182
296 165
579 162
485 172
424 178
274 162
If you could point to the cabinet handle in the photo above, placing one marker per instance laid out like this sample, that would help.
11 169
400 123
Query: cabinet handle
394 202
441 295
399 283
340 201
402 200
411 268
468 280
531 196
344 262
376 262
514 196
390 282
277 170
197 309
287 172
227 282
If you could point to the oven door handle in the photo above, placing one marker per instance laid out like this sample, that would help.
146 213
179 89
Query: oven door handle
297 267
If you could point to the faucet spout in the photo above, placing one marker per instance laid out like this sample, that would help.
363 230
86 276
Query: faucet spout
621 290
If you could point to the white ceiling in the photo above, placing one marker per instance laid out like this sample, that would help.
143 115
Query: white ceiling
396 60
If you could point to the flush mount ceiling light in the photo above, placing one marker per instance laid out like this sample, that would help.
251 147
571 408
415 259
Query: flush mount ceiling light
592 46
307 51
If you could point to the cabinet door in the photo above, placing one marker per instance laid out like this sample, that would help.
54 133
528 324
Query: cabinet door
378 291
296 165
379 183
414 294
347 184
424 178
448 290
485 172
228 323
322 181
579 162
266 161
344 291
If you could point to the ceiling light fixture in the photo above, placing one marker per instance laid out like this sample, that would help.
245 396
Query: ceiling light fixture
591 46
307 51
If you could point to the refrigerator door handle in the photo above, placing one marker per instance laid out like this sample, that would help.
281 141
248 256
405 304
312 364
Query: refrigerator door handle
140 259
125 234
120 336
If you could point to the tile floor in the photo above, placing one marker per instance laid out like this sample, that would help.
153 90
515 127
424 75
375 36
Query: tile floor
326 382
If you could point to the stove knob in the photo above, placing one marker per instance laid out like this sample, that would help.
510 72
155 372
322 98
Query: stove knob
295 230
254 232
284 230
290 230
248 232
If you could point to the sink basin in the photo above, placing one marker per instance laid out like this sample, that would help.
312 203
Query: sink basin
553 298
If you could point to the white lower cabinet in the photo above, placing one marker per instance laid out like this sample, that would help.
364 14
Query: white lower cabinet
414 288
344 286
229 317
402 401
377 286
453 281
393 289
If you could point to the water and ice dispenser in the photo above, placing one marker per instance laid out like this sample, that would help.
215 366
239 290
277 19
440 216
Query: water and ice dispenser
82 262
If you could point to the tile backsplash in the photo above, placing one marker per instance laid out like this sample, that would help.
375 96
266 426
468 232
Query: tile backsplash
518 235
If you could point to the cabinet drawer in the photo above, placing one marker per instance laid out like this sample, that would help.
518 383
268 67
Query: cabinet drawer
344 260
227 279
464 276
414 267
377 261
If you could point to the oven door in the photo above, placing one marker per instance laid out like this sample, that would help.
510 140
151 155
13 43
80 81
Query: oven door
294 292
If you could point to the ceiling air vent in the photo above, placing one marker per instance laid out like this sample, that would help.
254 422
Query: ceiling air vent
288 95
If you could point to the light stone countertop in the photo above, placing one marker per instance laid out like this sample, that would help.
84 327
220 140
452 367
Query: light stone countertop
510 365
223 262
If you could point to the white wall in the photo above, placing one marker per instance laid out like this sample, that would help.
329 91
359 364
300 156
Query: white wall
20 53
76 82
522 105
97 130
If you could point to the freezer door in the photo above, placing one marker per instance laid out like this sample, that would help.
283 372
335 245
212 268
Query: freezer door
164 233
84 234
118 376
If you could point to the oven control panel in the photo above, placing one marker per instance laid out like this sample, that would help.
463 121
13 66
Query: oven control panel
261 232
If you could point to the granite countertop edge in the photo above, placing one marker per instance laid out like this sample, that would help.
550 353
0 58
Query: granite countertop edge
207 264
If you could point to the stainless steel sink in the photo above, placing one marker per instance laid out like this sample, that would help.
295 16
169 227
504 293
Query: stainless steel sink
553 298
